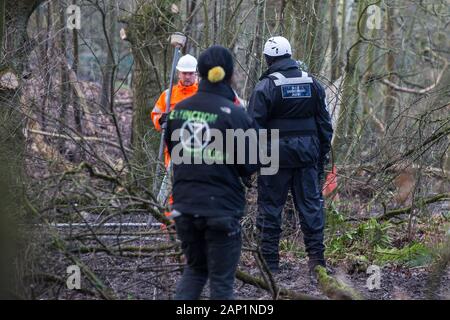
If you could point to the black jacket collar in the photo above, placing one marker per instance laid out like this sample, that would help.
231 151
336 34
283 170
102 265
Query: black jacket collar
223 89
280 65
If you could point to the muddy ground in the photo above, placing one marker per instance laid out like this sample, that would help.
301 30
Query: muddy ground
150 275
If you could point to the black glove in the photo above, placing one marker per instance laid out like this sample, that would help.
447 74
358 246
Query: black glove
247 181
162 119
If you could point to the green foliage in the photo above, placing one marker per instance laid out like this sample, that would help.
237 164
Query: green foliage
413 255
374 233
342 235
369 242
335 220
366 236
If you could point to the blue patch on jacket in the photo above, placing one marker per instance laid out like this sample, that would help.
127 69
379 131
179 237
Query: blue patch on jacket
290 91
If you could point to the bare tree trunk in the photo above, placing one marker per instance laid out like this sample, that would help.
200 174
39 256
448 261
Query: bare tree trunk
2 24
367 89
110 34
389 100
334 31
14 54
206 24
340 58
318 43
231 21
344 132
76 58
282 17
14 50
307 43
191 5
215 23
59 12
149 61
48 75
145 93
255 50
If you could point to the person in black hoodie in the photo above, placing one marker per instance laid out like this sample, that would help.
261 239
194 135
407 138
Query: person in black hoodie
210 197
288 99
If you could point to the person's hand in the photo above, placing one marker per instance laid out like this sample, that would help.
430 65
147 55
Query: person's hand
162 119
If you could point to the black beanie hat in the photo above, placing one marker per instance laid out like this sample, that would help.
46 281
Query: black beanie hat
215 64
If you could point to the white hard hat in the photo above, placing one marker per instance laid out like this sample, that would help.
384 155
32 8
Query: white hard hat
187 63
277 46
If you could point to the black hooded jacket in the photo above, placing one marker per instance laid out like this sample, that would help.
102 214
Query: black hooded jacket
293 102
208 189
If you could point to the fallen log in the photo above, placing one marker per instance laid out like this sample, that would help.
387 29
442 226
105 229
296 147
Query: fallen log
333 288
116 249
77 138
420 202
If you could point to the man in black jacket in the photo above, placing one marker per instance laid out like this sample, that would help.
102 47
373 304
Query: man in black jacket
207 188
290 100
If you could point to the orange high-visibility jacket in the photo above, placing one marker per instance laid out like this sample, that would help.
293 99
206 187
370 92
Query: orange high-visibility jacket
179 92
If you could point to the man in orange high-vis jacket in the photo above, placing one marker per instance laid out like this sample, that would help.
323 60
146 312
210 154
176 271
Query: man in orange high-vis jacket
186 87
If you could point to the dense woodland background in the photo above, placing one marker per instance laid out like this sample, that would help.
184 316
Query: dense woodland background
78 150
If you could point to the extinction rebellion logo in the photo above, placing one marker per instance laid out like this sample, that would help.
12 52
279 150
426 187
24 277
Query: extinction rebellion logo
197 135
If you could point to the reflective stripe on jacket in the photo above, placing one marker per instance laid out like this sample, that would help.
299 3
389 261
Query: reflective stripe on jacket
179 93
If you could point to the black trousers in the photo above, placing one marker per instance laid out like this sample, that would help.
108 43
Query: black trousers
212 247
272 195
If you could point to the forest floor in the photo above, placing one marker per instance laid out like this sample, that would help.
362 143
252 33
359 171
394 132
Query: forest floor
122 261
142 278
396 283
131 271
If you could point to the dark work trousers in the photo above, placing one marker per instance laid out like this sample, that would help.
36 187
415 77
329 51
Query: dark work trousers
272 195
212 246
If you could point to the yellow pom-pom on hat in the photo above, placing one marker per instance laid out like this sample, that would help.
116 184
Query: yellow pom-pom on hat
216 74
215 64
